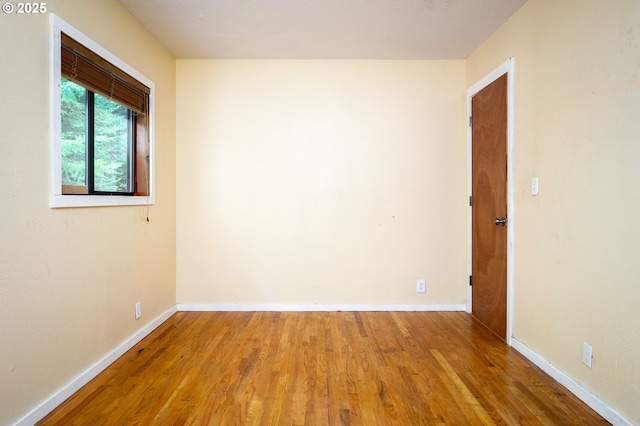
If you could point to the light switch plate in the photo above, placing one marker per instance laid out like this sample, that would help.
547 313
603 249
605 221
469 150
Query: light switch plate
534 186
587 354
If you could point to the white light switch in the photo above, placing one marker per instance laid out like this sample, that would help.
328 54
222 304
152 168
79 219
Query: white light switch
534 186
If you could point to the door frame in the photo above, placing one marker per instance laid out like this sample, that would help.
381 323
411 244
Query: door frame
506 67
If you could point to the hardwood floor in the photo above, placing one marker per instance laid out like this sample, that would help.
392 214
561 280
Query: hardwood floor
322 368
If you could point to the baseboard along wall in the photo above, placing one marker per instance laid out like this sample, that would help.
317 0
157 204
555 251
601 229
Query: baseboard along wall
586 396
277 307
86 376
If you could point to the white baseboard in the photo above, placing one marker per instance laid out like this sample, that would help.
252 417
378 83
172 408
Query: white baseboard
596 404
74 385
278 307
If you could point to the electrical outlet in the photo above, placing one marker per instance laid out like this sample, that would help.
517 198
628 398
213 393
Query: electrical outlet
421 286
587 354
138 310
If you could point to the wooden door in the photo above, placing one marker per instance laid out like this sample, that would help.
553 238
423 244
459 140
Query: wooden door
489 205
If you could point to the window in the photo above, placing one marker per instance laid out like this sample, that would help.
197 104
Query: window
101 119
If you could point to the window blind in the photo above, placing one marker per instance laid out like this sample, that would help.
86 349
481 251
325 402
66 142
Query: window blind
84 67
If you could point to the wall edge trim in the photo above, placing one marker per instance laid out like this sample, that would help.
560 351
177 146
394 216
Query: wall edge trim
585 395
58 397
316 307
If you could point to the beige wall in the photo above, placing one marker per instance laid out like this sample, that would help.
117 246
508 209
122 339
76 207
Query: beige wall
577 127
69 278
330 182
334 182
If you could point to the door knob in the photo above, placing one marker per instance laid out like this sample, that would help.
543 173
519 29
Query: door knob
500 221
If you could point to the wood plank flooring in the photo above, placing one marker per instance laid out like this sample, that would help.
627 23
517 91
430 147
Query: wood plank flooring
322 368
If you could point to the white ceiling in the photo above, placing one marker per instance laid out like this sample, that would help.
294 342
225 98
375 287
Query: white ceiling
321 29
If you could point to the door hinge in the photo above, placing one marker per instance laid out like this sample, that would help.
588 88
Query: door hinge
470 121
470 200
470 281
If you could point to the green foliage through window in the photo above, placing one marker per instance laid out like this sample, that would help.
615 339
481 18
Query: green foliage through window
74 133
96 139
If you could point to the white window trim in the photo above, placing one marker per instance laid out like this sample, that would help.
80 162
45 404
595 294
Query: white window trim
57 199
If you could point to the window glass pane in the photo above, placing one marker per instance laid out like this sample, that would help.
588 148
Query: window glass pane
112 146
74 133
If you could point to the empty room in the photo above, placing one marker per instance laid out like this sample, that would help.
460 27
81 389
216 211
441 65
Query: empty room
320 212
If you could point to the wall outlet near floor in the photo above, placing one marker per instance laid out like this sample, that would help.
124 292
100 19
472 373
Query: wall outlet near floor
421 286
587 354
138 310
